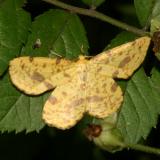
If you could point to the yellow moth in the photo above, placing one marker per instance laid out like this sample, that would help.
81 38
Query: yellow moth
79 86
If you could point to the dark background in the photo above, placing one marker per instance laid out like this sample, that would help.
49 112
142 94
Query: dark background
53 144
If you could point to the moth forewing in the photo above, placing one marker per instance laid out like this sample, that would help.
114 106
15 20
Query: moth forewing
124 58
35 75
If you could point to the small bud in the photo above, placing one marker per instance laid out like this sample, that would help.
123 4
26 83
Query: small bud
105 134
110 140
92 131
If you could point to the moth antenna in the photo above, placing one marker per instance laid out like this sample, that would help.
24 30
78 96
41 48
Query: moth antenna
54 53
88 57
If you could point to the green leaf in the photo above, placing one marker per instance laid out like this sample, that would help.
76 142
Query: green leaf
140 108
20 3
121 38
64 34
93 3
155 18
144 10
14 30
154 82
18 111
60 33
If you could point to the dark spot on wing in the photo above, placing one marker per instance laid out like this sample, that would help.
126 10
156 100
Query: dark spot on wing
66 75
114 87
58 69
37 76
64 93
44 65
48 85
104 85
99 69
120 53
115 73
106 61
124 61
22 65
76 103
58 60
94 99
139 47
36 64
53 100
31 59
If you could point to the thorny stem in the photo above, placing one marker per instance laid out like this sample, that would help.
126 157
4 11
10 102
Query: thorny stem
98 15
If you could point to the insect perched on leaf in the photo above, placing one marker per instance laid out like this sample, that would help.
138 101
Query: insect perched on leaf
82 86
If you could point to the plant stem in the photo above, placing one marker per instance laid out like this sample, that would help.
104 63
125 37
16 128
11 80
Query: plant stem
142 148
98 15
